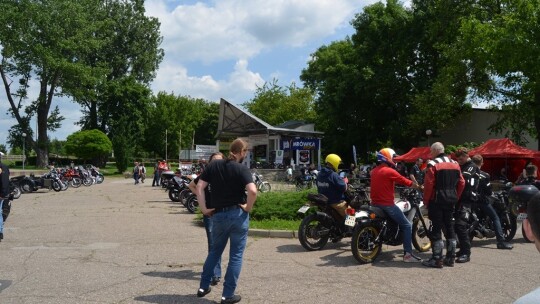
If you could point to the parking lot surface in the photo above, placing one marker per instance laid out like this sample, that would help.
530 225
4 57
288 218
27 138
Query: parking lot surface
121 243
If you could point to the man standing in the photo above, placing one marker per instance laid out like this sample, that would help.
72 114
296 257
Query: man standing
229 209
443 185
136 172
4 192
155 181
471 174
416 174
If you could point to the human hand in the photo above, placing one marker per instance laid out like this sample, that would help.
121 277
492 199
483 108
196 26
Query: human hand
244 207
208 212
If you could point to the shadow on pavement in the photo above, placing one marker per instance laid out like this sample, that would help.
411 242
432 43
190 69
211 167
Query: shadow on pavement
169 298
181 275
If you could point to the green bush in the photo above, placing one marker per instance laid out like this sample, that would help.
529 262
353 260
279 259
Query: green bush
278 205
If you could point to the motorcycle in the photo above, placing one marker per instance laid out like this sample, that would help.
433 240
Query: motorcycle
94 173
374 228
14 186
175 186
481 225
518 197
304 182
325 224
31 183
262 186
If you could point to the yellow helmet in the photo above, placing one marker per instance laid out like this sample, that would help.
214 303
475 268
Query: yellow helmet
333 160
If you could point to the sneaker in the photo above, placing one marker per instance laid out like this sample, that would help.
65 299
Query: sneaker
449 261
215 281
433 263
464 258
411 258
233 299
202 292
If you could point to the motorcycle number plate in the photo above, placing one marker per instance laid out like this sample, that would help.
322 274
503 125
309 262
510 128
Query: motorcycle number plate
303 209
522 216
350 220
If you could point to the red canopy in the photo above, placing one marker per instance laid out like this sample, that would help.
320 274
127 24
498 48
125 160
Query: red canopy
414 154
502 148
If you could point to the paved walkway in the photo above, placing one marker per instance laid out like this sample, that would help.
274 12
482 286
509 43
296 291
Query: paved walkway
120 243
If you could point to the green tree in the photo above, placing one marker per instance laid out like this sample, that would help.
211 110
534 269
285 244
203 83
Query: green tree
89 145
275 104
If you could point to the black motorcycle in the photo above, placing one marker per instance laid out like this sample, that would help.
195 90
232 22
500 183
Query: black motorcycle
374 228
303 182
175 186
518 197
481 226
14 186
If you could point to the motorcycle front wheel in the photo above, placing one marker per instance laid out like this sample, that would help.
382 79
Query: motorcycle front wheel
26 186
75 182
16 192
420 237
87 181
100 178
192 204
265 187
173 195
509 226
364 248
312 234
57 186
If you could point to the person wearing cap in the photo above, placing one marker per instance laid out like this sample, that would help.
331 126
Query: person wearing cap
4 192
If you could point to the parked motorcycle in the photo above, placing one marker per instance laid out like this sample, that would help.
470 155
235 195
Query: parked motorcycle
94 173
192 204
325 224
518 197
14 186
481 225
374 228
304 182
262 185
32 183
175 186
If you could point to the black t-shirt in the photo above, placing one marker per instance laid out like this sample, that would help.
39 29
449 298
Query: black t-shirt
207 191
229 180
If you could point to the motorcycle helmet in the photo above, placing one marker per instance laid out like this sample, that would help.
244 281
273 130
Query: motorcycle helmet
387 155
334 160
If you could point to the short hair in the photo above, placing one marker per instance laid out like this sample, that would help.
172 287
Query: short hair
462 152
477 159
437 147
533 215
530 170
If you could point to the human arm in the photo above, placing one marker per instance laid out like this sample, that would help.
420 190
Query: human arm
201 197
251 190
429 183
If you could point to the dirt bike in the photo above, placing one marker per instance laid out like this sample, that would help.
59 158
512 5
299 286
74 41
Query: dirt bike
325 224
374 228
518 197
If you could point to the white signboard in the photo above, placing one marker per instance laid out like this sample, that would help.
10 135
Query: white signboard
279 156
207 149
258 140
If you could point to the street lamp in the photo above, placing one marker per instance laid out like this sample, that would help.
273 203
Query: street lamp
23 146
428 133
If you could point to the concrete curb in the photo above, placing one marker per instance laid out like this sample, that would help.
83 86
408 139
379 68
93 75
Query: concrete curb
273 233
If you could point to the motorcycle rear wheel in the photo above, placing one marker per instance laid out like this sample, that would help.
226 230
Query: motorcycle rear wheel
312 234
420 237
16 192
192 204
265 187
26 186
363 245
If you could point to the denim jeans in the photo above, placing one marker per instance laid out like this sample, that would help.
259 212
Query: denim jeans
232 224
208 226
404 225
490 211
1 217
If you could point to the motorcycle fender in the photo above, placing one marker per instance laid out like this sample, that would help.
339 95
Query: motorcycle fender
363 221
325 218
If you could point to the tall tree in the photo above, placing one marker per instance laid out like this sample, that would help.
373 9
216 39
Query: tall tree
275 104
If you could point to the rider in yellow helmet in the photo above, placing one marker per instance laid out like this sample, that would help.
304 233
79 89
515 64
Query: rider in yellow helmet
331 185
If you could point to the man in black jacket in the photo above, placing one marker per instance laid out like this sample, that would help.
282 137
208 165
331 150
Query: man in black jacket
4 191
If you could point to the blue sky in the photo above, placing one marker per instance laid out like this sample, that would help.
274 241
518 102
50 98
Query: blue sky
226 48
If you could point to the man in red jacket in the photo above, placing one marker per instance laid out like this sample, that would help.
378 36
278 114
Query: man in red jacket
383 179
443 186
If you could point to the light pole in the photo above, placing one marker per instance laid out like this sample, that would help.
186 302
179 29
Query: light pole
428 133
23 146
166 145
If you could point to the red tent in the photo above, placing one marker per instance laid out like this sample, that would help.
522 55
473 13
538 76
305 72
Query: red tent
503 153
414 154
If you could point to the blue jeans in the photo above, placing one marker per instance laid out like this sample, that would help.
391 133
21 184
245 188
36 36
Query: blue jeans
232 224
404 225
208 226
1 217
490 212
136 178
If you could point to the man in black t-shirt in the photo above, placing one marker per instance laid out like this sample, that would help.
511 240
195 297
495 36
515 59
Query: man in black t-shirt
229 209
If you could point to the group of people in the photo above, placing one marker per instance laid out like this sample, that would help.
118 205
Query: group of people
139 172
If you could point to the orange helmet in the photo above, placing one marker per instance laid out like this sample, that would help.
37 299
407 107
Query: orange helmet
387 155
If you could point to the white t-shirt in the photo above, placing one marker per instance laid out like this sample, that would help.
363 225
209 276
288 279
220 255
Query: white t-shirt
289 171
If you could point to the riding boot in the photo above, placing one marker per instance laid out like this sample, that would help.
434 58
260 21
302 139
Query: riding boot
450 252
436 260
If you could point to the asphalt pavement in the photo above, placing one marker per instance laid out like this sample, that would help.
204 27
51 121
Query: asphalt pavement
121 243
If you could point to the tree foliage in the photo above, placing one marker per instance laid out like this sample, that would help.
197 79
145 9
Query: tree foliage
91 145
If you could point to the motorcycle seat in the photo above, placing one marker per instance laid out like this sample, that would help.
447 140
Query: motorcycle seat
378 211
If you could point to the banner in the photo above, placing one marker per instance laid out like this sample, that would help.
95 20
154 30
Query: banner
279 157
303 157
305 144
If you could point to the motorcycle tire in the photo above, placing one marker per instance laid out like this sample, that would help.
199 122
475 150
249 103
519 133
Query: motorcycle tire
76 182
16 192
364 248
26 186
265 187
174 195
56 186
87 181
100 178
192 204
525 235
420 238
509 226
312 233
184 195
64 184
